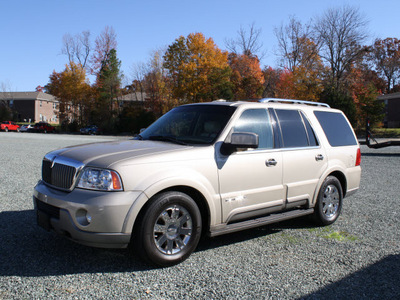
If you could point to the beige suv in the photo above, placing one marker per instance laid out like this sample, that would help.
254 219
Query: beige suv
209 168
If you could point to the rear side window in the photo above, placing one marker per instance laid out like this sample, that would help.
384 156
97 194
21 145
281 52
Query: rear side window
336 128
293 129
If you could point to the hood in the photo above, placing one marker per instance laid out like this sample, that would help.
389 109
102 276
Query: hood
108 153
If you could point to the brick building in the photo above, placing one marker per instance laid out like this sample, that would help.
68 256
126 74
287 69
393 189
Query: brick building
392 109
32 106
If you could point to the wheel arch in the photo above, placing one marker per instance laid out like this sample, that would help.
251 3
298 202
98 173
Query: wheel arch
339 174
342 179
195 194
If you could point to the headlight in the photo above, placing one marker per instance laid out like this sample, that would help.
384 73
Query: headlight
100 179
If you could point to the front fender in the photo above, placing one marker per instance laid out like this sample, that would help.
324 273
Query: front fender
178 177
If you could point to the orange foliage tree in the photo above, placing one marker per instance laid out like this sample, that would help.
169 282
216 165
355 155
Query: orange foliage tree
364 94
299 84
75 94
385 55
247 77
158 86
195 66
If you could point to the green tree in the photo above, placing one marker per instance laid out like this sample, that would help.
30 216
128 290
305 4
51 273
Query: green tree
108 84
341 99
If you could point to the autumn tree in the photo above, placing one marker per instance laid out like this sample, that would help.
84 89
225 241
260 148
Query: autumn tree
271 79
74 93
385 56
158 85
364 93
190 63
247 77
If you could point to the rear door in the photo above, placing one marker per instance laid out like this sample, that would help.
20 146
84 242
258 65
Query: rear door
304 160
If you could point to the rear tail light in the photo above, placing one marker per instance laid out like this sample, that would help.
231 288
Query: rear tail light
358 159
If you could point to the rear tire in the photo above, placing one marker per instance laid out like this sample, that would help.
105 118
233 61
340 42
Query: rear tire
329 202
169 229
6 129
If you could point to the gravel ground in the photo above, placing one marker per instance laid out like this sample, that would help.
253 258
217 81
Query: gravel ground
358 257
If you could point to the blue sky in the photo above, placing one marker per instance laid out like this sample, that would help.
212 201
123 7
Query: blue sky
32 31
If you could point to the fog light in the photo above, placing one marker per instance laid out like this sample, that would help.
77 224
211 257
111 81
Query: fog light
83 217
88 217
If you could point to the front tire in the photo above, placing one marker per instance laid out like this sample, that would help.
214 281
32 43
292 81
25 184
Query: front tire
169 229
329 202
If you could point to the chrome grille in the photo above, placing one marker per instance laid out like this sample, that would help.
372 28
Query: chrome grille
60 173
62 176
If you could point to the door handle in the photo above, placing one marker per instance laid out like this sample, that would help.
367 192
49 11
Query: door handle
271 162
319 157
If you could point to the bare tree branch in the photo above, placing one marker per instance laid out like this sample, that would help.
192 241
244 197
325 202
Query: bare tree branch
247 42
77 47
340 32
294 44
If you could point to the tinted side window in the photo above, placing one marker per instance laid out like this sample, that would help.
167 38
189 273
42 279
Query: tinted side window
336 128
258 122
293 131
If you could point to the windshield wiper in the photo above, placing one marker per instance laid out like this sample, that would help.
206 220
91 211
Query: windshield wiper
166 138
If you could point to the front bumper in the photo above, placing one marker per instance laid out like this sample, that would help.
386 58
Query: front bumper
88 217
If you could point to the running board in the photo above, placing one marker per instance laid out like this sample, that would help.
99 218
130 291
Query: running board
273 218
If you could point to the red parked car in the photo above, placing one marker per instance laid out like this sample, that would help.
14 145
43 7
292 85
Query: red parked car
43 127
8 125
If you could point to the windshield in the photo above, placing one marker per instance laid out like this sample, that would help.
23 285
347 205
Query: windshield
191 124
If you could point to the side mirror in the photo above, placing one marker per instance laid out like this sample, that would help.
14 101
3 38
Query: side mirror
239 140
244 140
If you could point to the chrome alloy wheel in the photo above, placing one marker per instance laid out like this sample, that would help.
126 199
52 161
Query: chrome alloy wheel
330 201
173 229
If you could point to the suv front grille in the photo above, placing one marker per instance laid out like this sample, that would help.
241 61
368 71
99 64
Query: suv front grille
59 174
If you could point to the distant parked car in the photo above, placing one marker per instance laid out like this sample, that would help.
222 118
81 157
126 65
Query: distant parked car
25 128
43 127
91 129
9 126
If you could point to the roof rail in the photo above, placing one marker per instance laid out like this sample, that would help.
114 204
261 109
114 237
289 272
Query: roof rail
267 100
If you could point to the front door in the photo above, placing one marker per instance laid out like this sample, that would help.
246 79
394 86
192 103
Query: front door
251 179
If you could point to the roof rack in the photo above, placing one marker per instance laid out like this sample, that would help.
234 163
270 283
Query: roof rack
267 100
